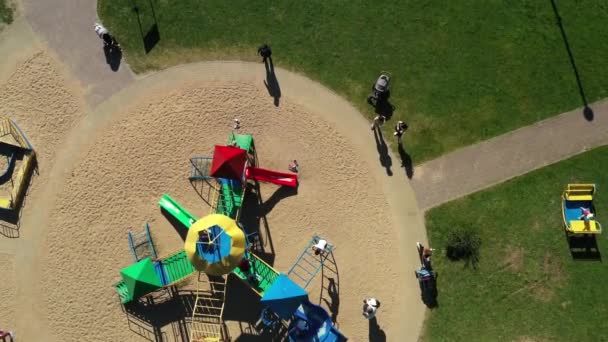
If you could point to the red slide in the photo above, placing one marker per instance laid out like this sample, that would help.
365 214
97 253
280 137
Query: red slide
280 178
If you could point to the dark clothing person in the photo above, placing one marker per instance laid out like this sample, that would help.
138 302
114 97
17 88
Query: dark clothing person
400 128
265 52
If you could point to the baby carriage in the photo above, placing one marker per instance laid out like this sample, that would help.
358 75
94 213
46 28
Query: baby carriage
428 286
380 89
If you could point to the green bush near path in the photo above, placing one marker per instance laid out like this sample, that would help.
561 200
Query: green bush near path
464 71
6 12
526 286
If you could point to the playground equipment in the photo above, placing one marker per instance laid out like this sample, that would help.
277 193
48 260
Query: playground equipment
275 177
308 264
216 245
578 210
13 140
207 323
201 168
141 244
312 323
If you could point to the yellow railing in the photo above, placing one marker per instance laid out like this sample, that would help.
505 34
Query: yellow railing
207 323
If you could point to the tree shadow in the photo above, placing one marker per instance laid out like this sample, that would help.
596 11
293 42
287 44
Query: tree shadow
587 111
152 35
385 158
584 248
376 334
113 57
406 161
271 82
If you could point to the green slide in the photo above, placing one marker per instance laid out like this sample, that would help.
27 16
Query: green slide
176 210
265 273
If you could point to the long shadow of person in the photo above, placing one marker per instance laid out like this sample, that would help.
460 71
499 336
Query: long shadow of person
376 334
113 57
334 297
406 162
271 82
385 159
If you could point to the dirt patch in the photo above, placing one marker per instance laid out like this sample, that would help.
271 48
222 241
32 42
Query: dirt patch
514 258
529 339
553 275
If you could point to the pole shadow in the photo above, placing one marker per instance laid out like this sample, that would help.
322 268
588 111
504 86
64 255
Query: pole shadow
587 111
385 158
271 82
152 35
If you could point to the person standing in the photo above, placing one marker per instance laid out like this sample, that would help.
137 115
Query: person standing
265 52
370 307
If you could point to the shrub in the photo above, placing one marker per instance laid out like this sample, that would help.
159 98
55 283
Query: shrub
463 244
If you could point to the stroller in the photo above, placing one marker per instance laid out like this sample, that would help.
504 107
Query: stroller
380 90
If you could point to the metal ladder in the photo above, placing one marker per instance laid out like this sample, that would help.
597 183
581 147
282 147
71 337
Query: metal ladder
308 264
141 244
201 168
207 322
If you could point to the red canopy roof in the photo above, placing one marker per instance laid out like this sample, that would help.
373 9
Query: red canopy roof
228 162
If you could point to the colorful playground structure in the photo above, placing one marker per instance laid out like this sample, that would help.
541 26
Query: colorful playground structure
217 245
578 210
14 144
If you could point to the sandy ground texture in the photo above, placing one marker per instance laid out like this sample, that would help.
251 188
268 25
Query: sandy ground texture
102 173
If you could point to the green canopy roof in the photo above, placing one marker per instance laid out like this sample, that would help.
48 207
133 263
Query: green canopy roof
141 278
242 141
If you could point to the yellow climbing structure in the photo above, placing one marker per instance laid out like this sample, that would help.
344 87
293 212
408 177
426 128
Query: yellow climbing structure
207 324
11 134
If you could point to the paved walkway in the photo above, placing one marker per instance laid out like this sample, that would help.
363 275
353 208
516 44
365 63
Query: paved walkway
67 27
482 165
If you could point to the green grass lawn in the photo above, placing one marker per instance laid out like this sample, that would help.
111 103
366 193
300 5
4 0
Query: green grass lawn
526 285
463 71
6 12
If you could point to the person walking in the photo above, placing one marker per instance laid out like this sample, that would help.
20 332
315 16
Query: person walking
265 52
400 128
104 34
379 120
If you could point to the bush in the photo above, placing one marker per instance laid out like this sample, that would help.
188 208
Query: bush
463 244
6 12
